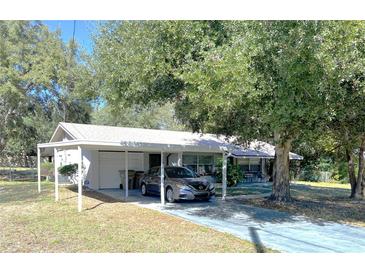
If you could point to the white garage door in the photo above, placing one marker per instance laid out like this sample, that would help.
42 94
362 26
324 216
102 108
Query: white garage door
112 162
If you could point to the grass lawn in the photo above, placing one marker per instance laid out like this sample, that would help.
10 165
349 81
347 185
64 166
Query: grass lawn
323 184
35 223
325 201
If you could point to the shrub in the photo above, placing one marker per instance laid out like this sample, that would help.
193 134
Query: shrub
234 173
68 170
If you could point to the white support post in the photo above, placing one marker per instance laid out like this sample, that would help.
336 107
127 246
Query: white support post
179 159
39 168
79 193
162 181
126 175
55 174
224 177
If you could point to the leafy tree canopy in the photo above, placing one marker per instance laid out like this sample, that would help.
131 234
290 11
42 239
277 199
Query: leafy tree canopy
42 81
248 79
153 116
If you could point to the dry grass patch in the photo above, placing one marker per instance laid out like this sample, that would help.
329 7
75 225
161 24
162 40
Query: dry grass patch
35 223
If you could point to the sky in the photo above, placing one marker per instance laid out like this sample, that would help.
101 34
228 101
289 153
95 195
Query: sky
83 31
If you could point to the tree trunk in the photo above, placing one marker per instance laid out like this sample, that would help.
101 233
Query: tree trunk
360 175
281 186
351 172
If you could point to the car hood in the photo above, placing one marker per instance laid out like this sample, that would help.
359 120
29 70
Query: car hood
194 182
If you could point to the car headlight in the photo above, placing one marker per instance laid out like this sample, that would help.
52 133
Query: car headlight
183 186
211 186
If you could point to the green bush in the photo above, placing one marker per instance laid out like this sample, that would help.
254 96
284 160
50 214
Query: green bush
68 170
314 171
234 173
310 173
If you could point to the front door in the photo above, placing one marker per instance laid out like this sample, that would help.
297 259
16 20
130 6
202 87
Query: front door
155 160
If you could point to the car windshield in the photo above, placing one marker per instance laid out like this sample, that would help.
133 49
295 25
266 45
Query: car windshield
179 172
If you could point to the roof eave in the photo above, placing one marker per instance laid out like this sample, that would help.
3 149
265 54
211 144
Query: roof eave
60 126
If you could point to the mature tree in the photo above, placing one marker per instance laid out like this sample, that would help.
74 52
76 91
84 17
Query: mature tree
152 116
344 58
266 84
246 79
40 80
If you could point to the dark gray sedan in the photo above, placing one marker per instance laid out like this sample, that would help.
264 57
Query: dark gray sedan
180 184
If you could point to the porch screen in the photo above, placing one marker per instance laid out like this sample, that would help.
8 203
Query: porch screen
249 164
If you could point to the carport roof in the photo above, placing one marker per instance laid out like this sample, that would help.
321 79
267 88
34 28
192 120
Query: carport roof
140 138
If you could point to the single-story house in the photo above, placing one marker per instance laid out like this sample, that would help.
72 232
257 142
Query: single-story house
106 155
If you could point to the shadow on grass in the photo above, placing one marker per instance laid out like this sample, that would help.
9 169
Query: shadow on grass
321 204
104 199
94 194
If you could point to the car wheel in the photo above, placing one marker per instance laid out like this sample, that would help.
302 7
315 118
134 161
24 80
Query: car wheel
170 195
144 189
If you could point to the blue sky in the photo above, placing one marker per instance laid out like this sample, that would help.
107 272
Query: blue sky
83 31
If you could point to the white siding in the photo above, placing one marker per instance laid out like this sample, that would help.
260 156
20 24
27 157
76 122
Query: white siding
146 161
66 157
90 164
112 162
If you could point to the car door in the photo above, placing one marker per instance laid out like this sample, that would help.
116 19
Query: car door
149 178
155 181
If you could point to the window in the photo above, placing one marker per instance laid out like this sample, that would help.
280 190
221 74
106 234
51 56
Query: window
190 161
201 164
205 164
255 165
249 164
179 172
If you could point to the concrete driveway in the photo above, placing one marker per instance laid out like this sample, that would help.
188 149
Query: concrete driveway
264 227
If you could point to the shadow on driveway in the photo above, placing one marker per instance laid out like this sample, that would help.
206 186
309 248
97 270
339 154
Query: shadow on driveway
279 230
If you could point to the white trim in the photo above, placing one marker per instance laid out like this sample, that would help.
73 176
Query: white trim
126 183
55 175
79 182
64 129
39 168
133 146
142 161
151 147
162 180
99 163
224 177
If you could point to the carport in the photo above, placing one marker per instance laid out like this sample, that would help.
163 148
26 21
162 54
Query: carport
84 140
101 152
